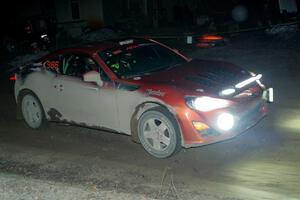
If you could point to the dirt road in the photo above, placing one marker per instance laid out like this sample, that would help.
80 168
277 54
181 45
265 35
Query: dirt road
67 162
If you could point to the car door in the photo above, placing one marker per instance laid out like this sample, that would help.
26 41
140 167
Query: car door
82 102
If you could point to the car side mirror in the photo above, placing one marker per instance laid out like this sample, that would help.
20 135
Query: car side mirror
93 76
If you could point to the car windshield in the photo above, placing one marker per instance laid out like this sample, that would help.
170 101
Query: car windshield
139 59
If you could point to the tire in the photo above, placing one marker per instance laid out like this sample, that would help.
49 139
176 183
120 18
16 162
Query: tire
158 133
32 110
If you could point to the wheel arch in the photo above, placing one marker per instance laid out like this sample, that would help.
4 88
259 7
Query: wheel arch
142 108
21 93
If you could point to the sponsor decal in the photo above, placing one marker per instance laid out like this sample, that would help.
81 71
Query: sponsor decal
131 47
52 65
137 78
155 92
116 52
125 42
199 90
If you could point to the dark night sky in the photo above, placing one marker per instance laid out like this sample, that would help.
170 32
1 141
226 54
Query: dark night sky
13 10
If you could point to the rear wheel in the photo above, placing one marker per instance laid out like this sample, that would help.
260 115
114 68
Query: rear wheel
159 133
32 111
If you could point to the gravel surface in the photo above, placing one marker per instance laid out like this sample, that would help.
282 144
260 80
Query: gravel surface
67 162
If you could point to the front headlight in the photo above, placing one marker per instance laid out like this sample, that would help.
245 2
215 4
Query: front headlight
205 104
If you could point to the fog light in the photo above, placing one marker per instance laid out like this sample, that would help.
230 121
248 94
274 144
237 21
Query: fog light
225 121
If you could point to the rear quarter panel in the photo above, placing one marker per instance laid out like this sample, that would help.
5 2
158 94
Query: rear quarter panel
39 82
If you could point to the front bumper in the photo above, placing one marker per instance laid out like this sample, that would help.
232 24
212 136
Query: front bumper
246 114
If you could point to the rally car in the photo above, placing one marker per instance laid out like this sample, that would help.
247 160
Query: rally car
142 88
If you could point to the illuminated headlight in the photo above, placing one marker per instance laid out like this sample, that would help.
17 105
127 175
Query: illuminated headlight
248 81
252 73
225 121
43 36
227 92
205 104
271 95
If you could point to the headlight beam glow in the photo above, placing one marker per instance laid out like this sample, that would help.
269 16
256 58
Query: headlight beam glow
225 121
271 95
248 81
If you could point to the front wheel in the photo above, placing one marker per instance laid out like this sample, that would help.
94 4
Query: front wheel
159 133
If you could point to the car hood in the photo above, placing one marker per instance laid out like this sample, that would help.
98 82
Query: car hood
197 75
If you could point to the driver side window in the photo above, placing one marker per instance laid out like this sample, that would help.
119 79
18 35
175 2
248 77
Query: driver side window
73 65
77 65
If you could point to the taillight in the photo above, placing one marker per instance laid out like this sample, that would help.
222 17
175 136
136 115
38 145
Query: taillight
210 38
13 77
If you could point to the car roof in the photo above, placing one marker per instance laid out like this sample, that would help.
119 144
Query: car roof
93 47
